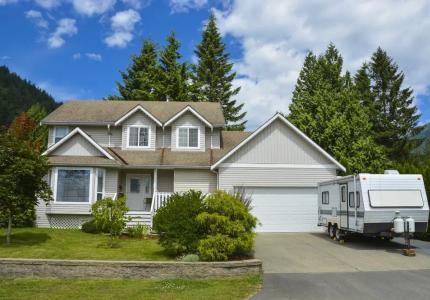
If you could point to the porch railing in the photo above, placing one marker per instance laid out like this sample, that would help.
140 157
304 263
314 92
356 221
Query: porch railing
158 200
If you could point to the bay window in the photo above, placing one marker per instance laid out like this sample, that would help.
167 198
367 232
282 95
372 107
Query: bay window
73 185
188 137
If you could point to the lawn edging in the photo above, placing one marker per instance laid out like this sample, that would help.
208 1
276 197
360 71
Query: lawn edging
13 267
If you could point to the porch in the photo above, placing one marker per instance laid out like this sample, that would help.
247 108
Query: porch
145 190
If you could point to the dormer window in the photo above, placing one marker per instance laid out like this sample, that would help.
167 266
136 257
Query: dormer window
59 133
188 137
138 137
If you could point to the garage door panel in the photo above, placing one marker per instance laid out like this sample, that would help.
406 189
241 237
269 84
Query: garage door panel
285 209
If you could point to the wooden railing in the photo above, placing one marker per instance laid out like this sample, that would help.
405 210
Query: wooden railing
158 200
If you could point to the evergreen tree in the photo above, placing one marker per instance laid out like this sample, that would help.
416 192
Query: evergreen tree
212 79
141 81
174 79
325 107
391 107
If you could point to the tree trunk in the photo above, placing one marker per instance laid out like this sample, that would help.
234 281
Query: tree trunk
9 228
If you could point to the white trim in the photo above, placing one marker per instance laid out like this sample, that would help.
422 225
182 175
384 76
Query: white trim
86 136
91 183
188 127
102 170
190 109
138 137
55 133
277 166
294 128
138 107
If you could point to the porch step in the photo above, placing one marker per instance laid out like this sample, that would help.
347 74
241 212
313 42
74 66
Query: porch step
143 218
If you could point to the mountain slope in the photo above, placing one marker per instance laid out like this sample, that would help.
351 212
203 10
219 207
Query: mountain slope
18 95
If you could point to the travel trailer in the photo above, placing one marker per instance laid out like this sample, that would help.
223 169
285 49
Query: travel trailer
385 205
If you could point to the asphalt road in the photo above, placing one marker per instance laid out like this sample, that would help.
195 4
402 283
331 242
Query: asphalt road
311 266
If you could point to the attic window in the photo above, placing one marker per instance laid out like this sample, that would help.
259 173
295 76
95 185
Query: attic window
138 137
188 137
59 133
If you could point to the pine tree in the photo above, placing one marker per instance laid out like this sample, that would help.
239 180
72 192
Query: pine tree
141 80
325 107
213 76
174 85
391 107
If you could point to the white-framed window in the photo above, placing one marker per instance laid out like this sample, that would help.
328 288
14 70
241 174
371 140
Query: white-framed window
100 185
188 137
138 137
60 132
325 197
72 185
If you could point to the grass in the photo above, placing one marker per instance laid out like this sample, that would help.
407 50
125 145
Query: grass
75 244
42 288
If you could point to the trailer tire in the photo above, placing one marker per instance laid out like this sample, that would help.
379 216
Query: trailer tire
329 229
332 231
338 234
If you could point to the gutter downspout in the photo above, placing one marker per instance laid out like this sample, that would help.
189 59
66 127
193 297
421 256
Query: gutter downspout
109 134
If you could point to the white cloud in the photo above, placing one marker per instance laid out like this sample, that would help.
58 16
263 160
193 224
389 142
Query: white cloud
122 24
276 36
178 6
93 7
6 2
94 56
65 27
76 56
48 4
137 4
37 18
60 93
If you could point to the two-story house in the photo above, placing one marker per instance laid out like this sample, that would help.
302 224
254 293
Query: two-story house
146 150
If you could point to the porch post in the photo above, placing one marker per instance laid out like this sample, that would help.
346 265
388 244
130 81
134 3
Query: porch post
155 189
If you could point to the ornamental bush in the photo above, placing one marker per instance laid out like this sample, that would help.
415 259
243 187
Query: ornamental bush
226 226
176 223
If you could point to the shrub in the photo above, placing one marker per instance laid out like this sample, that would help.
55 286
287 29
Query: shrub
90 227
190 258
227 228
138 231
109 216
176 223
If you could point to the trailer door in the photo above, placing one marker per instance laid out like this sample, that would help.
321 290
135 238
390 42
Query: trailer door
344 206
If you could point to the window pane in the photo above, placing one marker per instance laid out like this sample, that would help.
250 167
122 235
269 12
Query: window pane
100 179
194 137
73 185
143 137
60 132
351 199
358 199
183 137
133 136
134 185
343 193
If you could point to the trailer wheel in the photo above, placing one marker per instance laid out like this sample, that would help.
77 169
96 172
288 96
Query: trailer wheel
338 234
329 229
332 231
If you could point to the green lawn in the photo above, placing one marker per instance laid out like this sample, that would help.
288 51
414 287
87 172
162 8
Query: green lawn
44 288
75 244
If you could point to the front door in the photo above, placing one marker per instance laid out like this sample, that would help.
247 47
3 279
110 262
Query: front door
139 192
343 205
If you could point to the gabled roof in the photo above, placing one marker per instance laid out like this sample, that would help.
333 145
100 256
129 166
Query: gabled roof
278 116
134 110
99 112
77 130
185 110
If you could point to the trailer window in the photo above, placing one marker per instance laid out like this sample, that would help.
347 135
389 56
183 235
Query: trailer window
351 199
325 198
343 193
395 198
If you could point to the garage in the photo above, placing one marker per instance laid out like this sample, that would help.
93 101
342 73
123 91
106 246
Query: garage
285 209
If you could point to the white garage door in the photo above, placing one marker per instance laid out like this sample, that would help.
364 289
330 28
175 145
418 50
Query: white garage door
285 209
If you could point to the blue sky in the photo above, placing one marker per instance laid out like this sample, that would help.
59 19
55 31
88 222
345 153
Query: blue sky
75 48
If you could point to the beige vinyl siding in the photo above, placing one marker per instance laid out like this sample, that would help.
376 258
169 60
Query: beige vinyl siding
77 145
167 137
278 144
188 119
165 180
139 118
214 136
111 181
201 180
272 177
41 216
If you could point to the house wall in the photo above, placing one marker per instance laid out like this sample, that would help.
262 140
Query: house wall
77 145
278 144
201 180
165 180
188 119
273 177
139 118
167 137
215 136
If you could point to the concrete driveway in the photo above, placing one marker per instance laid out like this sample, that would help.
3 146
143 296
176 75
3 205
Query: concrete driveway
310 266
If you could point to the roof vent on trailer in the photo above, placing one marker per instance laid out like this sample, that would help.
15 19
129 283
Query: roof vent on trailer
391 172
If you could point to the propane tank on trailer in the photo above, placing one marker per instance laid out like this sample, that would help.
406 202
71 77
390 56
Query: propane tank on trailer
398 223
410 225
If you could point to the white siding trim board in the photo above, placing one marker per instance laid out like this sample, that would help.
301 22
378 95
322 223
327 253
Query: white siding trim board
277 166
